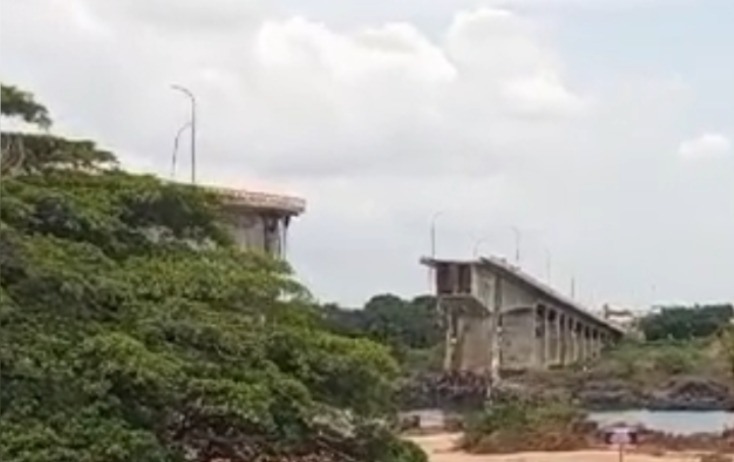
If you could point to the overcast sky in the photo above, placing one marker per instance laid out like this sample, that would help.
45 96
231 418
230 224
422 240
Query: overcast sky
599 128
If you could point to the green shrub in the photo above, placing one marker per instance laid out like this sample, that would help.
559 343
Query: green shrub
520 425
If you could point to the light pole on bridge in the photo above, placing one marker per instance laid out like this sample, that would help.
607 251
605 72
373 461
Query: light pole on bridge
192 122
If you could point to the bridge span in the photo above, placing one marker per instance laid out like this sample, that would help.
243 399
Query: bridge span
499 318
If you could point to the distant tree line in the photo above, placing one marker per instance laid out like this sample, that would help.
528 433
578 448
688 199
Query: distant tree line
388 319
686 322
414 324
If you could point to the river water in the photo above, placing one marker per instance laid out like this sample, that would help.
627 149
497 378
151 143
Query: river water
676 422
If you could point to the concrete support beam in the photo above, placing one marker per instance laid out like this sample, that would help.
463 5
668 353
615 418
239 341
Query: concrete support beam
598 343
450 335
579 341
519 344
594 343
540 337
572 344
563 339
554 336
550 317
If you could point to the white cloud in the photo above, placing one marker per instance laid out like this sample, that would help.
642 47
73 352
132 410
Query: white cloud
705 146
379 125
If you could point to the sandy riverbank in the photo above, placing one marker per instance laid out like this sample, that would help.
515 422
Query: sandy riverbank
440 449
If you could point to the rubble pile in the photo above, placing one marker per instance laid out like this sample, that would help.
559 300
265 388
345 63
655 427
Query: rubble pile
447 390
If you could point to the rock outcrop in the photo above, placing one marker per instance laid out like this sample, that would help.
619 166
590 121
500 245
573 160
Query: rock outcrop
680 394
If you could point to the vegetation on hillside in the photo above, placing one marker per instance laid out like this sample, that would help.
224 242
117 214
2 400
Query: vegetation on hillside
686 323
411 328
516 425
651 362
134 330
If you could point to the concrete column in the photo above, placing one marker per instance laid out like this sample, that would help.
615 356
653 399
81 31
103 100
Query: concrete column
579 342
594 339
459 350
450 335
592 342
572 346
559 337
582 342
540 336
563 339
474 354
548 331
495 331
599 343
556 338
585 342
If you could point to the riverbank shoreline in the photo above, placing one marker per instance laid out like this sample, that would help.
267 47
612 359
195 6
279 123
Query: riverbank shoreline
594 394
673 433
443 447
683 393
673 422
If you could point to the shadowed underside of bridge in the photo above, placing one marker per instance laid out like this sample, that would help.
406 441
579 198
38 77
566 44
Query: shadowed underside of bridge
499 318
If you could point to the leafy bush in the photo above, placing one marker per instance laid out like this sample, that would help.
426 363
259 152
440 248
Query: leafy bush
651 361
405 325
516 425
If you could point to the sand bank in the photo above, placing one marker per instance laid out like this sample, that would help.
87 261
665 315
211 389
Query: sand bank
440 448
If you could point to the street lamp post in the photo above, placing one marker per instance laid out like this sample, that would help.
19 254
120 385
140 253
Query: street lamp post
518 235
175 148
433 247
192 121
433 232
548 264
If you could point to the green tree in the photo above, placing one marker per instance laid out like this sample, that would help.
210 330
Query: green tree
402 324
21 104
684 323
132 329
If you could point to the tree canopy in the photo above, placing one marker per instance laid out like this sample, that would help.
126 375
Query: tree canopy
391 320
684 323
21 104
133 329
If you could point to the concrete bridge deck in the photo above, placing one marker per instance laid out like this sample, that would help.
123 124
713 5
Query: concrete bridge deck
500 318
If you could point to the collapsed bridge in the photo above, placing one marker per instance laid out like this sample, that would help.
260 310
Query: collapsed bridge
499 318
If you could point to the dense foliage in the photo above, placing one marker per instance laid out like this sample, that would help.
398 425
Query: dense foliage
21 104
405 325
515 425
684 323
134 330
655 361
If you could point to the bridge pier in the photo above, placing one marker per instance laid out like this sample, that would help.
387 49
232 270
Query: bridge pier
541 343
555 335
563 334
573 341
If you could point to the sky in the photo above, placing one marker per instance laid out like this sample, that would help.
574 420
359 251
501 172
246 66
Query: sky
601 130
